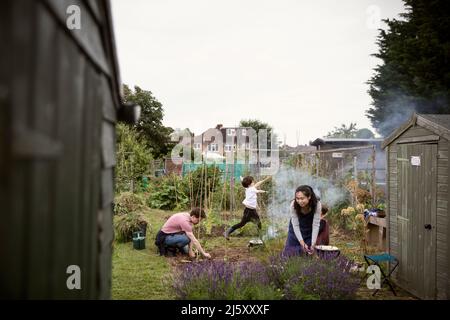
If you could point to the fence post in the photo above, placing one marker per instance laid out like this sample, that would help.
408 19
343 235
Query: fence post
373 177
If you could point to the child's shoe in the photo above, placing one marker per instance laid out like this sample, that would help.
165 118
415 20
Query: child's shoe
226 234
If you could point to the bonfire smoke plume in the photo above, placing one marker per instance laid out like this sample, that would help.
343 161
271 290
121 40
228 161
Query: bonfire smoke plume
286 181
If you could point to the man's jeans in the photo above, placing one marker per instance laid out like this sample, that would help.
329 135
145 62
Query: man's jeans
180 241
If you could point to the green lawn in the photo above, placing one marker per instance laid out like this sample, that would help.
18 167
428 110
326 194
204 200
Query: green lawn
141 274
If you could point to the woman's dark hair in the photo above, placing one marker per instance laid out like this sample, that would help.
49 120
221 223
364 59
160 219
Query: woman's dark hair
308 192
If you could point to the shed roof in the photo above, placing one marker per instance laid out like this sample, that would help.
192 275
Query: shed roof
322 141
436 123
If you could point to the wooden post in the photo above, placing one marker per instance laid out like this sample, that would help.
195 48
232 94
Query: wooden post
175 185
201 196
205 203
212 189
373 177
317 162
191 188
317 165
232 207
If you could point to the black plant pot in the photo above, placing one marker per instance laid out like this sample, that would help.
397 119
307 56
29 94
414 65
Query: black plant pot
142 227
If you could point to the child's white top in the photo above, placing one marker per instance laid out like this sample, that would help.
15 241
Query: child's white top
250 197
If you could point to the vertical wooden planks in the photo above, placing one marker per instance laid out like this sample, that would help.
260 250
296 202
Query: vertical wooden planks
96 193
70 104
392 181
430 272
447 227
5 151
388 209
89 173
42 121
417 195
402 215
421 212
17 220
89 37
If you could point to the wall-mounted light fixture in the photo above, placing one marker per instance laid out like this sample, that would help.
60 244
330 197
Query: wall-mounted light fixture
129 112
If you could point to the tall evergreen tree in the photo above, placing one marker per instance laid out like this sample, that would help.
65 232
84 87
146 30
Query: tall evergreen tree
415 72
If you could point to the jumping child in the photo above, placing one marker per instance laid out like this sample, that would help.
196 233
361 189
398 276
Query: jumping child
250 203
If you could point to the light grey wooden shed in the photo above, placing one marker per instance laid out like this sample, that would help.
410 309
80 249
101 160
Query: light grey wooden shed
417 204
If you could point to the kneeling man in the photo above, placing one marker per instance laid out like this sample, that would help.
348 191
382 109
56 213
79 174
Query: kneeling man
177 233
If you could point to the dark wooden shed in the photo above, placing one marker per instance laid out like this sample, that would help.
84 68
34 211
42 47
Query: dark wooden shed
59 102
418 204
331 165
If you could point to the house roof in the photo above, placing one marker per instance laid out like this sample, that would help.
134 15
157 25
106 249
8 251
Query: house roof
436 123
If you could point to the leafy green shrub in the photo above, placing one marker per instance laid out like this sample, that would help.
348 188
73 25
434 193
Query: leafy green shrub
168 193
134 158
334 214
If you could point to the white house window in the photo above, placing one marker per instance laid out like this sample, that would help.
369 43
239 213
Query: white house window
231 132
197 146
213 147
229 147
244 132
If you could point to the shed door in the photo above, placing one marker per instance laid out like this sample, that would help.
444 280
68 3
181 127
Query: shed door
416 166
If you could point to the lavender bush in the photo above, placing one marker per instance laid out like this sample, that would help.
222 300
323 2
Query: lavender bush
324 279
218 280
283 277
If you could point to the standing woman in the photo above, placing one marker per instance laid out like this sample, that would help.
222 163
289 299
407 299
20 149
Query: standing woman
304 224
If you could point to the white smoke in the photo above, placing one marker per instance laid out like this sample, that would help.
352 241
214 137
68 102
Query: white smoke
400 107
285 183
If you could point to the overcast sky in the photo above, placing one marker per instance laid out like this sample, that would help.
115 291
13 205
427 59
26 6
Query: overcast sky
299 65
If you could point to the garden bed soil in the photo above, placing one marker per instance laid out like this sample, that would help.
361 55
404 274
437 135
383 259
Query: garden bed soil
233 254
